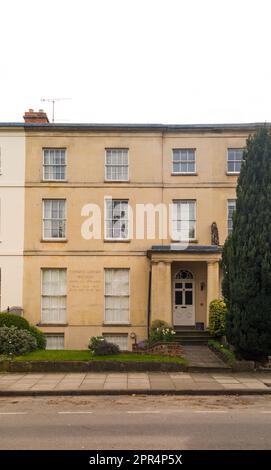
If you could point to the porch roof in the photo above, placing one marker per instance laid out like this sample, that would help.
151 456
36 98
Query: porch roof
181 248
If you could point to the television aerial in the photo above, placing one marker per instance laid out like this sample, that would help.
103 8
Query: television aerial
53 101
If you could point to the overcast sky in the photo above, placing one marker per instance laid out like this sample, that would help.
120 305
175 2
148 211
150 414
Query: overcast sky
167 61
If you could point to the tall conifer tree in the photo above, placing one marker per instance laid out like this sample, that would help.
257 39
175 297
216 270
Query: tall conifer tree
246 257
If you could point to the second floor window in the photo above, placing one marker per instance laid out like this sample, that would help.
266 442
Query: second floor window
54 164
116 219
184 161
235 159
184 220
54 219
231 210
116 164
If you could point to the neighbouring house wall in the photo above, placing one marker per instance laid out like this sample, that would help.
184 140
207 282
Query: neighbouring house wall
12 178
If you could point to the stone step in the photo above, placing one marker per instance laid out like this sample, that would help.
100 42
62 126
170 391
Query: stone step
194 341
192 333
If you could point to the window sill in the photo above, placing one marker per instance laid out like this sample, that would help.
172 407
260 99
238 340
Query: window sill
117 240
185 241
116 324
54 181
54 240
232 173
116 181
184 174
52 324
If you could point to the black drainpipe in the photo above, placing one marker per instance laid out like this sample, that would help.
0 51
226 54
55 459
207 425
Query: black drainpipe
149 303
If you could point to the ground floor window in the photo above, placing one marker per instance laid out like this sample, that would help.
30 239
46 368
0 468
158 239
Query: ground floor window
117 295
120 339
55 341
54 296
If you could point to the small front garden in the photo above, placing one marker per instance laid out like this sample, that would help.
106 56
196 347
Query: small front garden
24 344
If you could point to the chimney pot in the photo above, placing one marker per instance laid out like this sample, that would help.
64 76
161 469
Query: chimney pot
38 117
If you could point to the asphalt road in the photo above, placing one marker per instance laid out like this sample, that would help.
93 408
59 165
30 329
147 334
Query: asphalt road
142 422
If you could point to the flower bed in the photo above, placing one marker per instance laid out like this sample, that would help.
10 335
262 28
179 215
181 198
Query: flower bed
162 348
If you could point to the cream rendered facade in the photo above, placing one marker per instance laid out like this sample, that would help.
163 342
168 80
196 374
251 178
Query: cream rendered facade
154 265
12 179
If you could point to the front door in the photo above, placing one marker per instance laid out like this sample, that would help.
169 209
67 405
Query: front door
184 302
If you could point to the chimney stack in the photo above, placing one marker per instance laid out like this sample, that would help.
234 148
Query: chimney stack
39 117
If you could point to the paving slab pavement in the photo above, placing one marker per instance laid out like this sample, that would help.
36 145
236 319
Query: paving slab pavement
151 383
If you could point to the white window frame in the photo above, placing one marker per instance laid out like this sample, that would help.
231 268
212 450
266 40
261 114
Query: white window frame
106 219
230 202
55 335
184 161
118 322
108 336
229 172
43 320
54 165
184 201
43 220
110 165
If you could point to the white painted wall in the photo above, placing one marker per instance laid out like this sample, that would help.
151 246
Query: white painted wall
12 180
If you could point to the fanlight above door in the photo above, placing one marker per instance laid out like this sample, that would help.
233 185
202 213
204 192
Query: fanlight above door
184 275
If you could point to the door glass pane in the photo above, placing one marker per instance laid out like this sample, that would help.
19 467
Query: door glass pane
188 298
178 285
188 285
178 297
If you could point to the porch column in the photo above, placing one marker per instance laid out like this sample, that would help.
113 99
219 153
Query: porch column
161 303
213 291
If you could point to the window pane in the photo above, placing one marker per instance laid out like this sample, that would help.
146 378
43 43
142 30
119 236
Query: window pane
120 340
55 342
54 164
54 295
116 164
188 297
117 295
178 297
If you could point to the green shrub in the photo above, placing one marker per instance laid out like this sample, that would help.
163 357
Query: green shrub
9 319
94 341
223 350
16 342
100 347
39 336
160 331
159 324
217 317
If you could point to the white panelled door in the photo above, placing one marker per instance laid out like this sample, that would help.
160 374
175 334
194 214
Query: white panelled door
184 299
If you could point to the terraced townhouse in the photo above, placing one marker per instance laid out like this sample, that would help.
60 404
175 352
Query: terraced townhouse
106 227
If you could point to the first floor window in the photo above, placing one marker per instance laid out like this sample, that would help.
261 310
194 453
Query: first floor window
184 220
116 219
121 340
117 295
235 160
54 219
116 164
184 161
54 296
54 341
54 164
231 210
